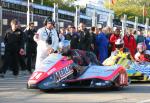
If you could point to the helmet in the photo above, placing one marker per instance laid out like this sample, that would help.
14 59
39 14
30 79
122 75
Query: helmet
64 43
48 20
119 43
141 47
64 46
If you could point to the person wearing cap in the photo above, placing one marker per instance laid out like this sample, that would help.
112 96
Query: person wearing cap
47 40
80 57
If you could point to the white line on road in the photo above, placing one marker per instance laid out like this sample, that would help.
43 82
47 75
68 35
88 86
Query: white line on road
145 101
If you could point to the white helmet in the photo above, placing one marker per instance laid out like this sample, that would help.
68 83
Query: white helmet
141 46
64 46
64 43
119 41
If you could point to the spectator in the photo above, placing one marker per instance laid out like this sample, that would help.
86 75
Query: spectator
85 38
62 34
114 37
75 38
21 58
141 51
140 37
108 35
30 45
129 42
94 33
135 34
14 46
147 41
47 41
102 44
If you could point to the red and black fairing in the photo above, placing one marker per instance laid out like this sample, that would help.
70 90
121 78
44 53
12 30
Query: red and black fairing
63 73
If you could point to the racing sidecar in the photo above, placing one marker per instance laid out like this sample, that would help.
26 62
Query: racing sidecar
136 71
58 72
139 71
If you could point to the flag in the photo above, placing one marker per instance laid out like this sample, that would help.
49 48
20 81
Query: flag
113 1
144 11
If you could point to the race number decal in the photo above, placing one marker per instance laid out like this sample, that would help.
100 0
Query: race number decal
123 79
36 75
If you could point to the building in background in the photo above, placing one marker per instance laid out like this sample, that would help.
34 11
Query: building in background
98 6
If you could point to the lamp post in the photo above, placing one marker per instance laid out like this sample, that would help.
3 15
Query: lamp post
28 13
55 16
32 12
1 19
124 24
136 23
77 17
147 26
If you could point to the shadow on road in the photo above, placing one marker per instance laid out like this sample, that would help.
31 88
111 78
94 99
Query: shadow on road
133 88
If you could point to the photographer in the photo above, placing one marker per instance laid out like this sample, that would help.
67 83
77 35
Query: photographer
47 40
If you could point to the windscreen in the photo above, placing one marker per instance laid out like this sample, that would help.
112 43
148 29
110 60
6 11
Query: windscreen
48 62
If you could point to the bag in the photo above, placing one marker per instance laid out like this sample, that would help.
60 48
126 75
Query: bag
49 38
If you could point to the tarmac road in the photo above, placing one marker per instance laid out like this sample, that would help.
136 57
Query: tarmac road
14 91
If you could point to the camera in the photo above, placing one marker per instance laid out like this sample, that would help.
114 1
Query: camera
49 40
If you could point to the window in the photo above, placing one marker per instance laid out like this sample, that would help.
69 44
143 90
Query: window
5 4
36 11
23 8
44 12
12 6
18 7
40 11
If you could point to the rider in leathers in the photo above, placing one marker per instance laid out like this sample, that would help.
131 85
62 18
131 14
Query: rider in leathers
47 41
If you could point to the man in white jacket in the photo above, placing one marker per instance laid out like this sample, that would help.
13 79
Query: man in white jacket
47 41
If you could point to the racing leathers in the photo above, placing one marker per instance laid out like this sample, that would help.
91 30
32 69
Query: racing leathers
43 46
82 58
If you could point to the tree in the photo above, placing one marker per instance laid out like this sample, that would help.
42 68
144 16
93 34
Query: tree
62 4
130 7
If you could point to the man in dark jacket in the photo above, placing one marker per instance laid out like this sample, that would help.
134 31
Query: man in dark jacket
85 38
14 46
73 37
30 45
